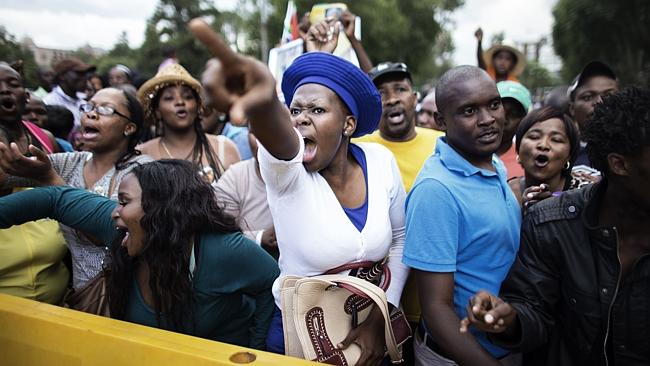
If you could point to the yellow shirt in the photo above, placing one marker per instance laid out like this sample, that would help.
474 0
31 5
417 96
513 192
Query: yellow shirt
410 155
31 261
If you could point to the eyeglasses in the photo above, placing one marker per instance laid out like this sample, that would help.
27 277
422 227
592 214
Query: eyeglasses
102 110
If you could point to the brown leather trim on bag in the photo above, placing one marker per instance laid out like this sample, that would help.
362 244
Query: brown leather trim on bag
401 327
91 298
327 353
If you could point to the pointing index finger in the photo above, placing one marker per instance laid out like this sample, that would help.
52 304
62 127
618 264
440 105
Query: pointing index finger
212 41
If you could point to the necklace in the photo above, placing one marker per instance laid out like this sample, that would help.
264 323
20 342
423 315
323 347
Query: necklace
169 154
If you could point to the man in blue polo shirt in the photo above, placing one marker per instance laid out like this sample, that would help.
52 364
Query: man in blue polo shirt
463 221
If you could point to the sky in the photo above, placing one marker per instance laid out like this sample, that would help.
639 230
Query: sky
69 24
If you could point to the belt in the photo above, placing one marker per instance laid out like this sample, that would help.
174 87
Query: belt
429 342
432 345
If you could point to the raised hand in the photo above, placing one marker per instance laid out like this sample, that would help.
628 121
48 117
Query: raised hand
348 21
323 36
479 34
246 89
244 86
488 313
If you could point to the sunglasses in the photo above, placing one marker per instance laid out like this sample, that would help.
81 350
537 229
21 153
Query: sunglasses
102 110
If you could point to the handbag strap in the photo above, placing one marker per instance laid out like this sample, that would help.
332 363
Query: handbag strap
378 296
384 282
349 266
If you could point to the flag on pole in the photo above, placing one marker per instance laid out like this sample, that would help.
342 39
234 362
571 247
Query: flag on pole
290 30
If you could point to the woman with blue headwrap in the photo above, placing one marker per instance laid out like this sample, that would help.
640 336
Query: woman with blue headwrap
332 202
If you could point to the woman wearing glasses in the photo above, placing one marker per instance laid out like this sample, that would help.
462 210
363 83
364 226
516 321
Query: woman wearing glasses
111 123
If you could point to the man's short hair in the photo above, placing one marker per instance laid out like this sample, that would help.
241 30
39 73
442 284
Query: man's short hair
452 77
60 120
620 124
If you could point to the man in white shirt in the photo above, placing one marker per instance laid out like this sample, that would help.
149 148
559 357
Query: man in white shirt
70 76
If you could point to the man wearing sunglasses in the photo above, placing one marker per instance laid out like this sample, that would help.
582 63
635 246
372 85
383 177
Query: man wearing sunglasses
70 76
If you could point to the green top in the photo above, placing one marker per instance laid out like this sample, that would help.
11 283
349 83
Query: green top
232 280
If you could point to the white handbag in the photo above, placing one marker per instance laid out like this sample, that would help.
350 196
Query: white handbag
318 313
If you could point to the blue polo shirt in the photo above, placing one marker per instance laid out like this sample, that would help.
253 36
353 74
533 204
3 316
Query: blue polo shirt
465 220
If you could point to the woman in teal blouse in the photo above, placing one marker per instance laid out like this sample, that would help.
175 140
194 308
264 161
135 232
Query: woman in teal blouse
178 262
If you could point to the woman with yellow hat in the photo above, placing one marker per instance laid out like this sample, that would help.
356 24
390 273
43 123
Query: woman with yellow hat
502 61
172 104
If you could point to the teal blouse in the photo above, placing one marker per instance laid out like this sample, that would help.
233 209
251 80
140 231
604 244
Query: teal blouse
232 280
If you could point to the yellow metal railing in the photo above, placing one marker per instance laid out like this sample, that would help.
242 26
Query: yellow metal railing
33 333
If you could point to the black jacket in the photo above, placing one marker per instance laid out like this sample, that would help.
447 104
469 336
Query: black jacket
565 287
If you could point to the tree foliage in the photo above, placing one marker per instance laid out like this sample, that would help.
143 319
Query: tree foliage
11 51
411 31
121 53
615 32
168 26
536 77
391 30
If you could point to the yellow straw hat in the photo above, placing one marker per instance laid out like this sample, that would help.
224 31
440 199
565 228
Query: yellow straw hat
174 74
509 46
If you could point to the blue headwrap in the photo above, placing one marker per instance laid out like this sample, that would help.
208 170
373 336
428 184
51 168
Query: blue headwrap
351 84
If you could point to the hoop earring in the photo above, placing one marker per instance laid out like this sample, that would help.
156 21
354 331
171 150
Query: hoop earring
568 165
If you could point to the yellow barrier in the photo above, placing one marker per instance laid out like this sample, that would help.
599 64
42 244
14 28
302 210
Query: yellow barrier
33 333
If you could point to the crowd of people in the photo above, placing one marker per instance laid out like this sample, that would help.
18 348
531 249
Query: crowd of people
514 231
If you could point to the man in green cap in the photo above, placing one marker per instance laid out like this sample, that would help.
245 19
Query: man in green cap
516 101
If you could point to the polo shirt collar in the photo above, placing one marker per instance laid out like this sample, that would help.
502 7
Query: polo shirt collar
455 162
62 94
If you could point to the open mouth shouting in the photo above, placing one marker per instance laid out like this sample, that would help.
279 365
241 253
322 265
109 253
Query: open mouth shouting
182 113
123 232
395 115
89 132
8 105
310 150
541 160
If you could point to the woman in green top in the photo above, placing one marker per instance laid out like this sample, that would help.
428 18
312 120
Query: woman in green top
179 262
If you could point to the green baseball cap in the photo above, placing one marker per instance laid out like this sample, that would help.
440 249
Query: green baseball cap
516 91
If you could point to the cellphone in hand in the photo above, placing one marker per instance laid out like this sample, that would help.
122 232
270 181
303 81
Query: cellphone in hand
334 13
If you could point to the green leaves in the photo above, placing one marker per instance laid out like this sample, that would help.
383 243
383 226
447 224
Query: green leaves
615 32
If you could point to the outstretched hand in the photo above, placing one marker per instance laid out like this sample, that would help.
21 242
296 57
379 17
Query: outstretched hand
323 36
488 313
534 194
37 167
244 86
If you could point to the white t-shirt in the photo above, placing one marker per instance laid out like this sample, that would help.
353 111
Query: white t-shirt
314 234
